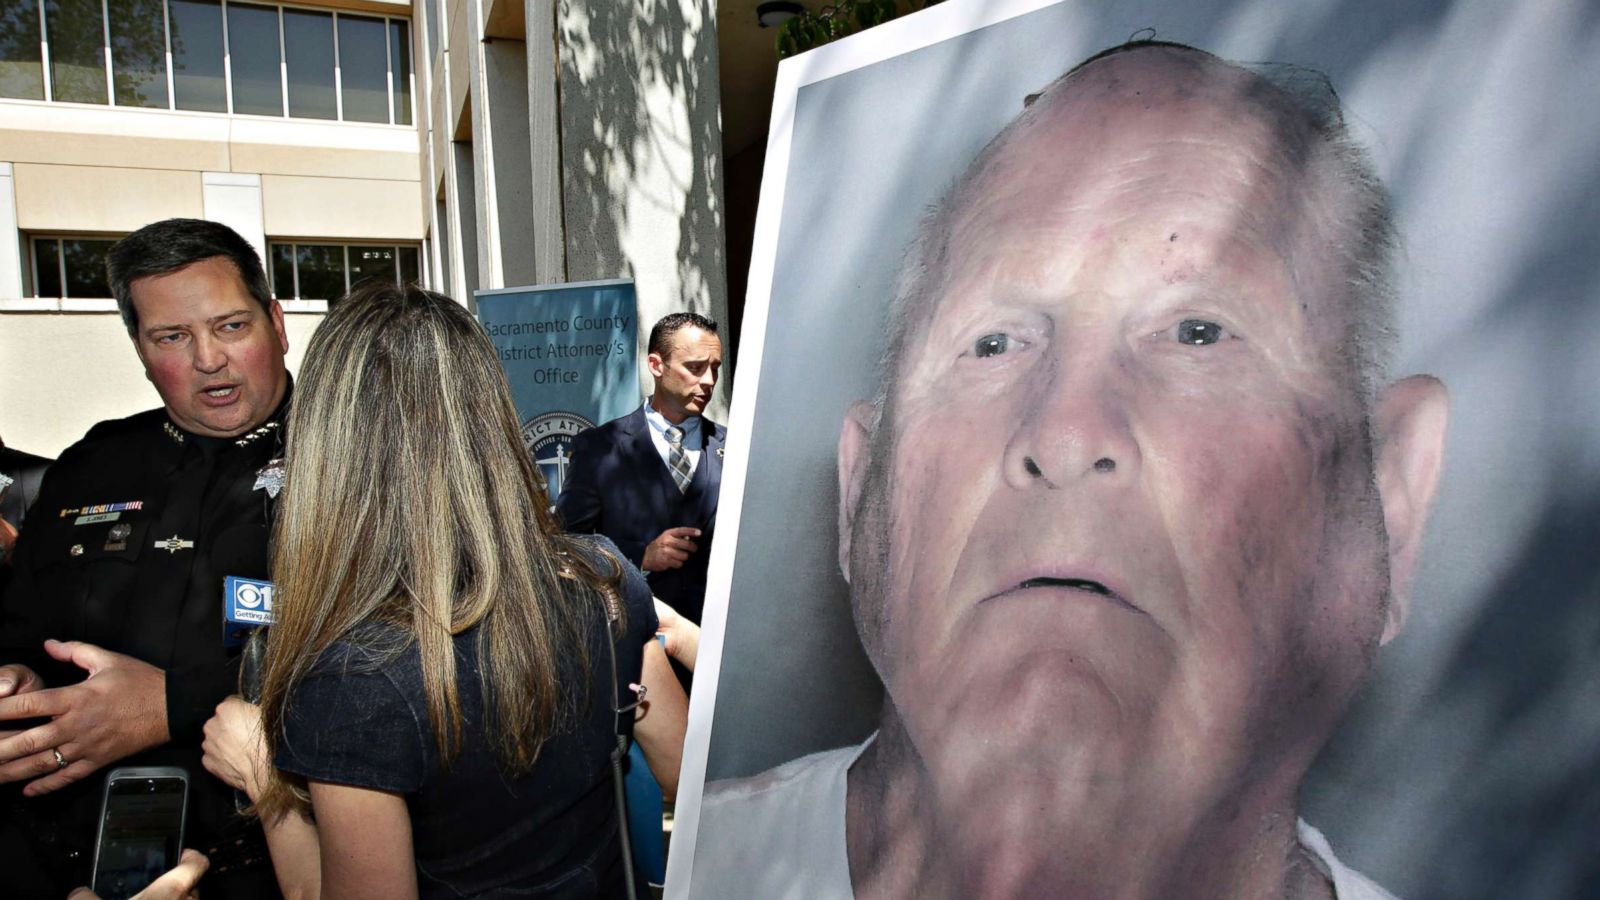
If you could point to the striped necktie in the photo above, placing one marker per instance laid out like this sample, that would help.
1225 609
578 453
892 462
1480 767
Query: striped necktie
677 460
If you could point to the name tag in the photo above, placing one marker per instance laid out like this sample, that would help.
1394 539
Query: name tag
246 605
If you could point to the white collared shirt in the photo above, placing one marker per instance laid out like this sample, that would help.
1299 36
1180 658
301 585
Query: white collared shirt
692 442
781 835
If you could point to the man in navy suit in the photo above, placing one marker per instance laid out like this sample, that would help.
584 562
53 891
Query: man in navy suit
20 477
649 480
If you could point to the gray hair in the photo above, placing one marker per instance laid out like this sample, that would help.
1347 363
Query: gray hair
1307 99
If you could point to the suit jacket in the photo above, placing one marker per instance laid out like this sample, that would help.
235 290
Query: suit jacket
28 471
619 486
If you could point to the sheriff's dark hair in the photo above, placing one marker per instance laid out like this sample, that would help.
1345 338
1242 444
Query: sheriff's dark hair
661 334
172 244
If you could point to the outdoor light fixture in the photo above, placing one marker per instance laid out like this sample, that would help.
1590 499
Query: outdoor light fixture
776 12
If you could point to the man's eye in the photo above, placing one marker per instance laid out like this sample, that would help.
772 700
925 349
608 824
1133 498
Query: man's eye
990 345
169 338
231 326
1199 332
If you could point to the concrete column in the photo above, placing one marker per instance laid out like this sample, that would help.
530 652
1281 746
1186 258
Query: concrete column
544 141
10 237
502 121
641 154
234 200
467 223
479 160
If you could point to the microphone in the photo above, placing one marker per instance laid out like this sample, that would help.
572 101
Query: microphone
246 610
255 647
250 658
246 613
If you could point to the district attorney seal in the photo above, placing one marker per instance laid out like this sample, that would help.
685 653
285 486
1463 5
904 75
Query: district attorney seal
548 438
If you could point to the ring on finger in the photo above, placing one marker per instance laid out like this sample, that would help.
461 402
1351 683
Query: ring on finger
61 761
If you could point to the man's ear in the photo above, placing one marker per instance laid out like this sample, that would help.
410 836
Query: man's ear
656 364
138 349
855 439
275 314
1410 426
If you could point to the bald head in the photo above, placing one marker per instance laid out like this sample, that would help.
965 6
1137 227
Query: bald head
1153 113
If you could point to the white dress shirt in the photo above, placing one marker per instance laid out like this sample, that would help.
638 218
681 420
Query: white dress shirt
693 443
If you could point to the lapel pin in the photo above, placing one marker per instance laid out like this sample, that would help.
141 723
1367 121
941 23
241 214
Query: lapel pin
174 544
117 538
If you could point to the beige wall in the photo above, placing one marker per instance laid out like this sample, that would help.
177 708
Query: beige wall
297 206
62 372
332 150
103 136
101 198
91 170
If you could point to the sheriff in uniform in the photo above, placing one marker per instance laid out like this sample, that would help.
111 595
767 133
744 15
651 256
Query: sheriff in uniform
111 631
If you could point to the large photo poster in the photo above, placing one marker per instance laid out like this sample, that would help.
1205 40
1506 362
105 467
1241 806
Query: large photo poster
1171 471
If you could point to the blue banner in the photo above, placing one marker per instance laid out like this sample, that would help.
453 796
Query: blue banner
569 353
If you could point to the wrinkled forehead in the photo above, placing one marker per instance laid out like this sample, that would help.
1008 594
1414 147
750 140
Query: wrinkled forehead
1156 122
1150 133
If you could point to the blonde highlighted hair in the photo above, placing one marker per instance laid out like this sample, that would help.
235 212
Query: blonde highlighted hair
410 500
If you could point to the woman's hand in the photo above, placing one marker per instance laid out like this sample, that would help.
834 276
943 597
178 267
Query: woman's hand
235 748
681 635
177 883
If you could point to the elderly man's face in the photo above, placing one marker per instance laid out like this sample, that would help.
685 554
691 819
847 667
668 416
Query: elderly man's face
1132 528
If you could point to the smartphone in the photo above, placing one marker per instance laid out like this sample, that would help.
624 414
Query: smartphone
141 828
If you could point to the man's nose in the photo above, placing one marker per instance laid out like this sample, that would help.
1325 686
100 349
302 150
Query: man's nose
1074 424
209 354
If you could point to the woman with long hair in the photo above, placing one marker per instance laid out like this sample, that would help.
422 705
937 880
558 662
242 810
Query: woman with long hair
438 684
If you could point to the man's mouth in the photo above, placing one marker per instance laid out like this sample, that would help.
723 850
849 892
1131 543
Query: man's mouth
1080 584
1086 585
220 392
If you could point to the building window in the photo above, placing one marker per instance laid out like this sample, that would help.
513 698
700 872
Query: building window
364 69
21 52
257 77
76 36
308 58
399 67
183 54
71 267
198 79
138 33
328 271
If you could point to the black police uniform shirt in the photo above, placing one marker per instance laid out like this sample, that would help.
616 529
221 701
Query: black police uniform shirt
133 532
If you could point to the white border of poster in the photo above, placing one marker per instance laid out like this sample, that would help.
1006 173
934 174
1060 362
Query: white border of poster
1479 116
